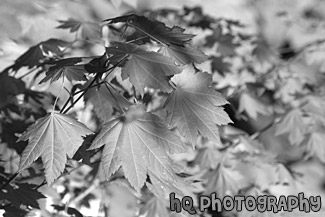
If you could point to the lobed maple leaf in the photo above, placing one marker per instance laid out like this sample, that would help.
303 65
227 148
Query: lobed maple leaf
293 125
194 106
104 100
89 30
156 30
184 55
224 181
71 24
53 137
226 44
315 145
143 68
139 142
37 53
252 106
153 206
66 67
23 193
218 64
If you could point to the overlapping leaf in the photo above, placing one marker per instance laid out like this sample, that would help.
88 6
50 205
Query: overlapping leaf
104 100
139 142
252 106
315 145
156 30
89 30
22 194
143 68
293 125
68 68
194 107
226 44
184 55
36 54
218 64
53 137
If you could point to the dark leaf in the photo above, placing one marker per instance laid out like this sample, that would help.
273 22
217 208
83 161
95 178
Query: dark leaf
226 44
68 68
23 193
156 30
12 211
143 68
9 88
218 64
36 54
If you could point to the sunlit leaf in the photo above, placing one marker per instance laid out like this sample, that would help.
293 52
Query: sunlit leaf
53 137
194 106
139 142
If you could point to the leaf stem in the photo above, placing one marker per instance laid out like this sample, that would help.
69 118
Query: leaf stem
57 97
109 70
12 178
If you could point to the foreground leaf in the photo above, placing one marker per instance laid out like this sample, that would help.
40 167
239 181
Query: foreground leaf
53 137
36 54
194 106
156 30
143 68
68 68
139 142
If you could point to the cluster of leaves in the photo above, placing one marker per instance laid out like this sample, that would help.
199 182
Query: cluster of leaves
154 97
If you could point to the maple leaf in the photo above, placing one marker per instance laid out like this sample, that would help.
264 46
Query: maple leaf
315 145
252 106
226 44
104 99
153 206
224 181
143 68
12 211
23 193
66 67
53 137
293 125
184 55
194 106
218 64
156 30
89 30
37 53
139 142
208 157
71 24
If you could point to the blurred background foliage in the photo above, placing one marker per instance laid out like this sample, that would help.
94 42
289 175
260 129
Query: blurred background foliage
284 34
